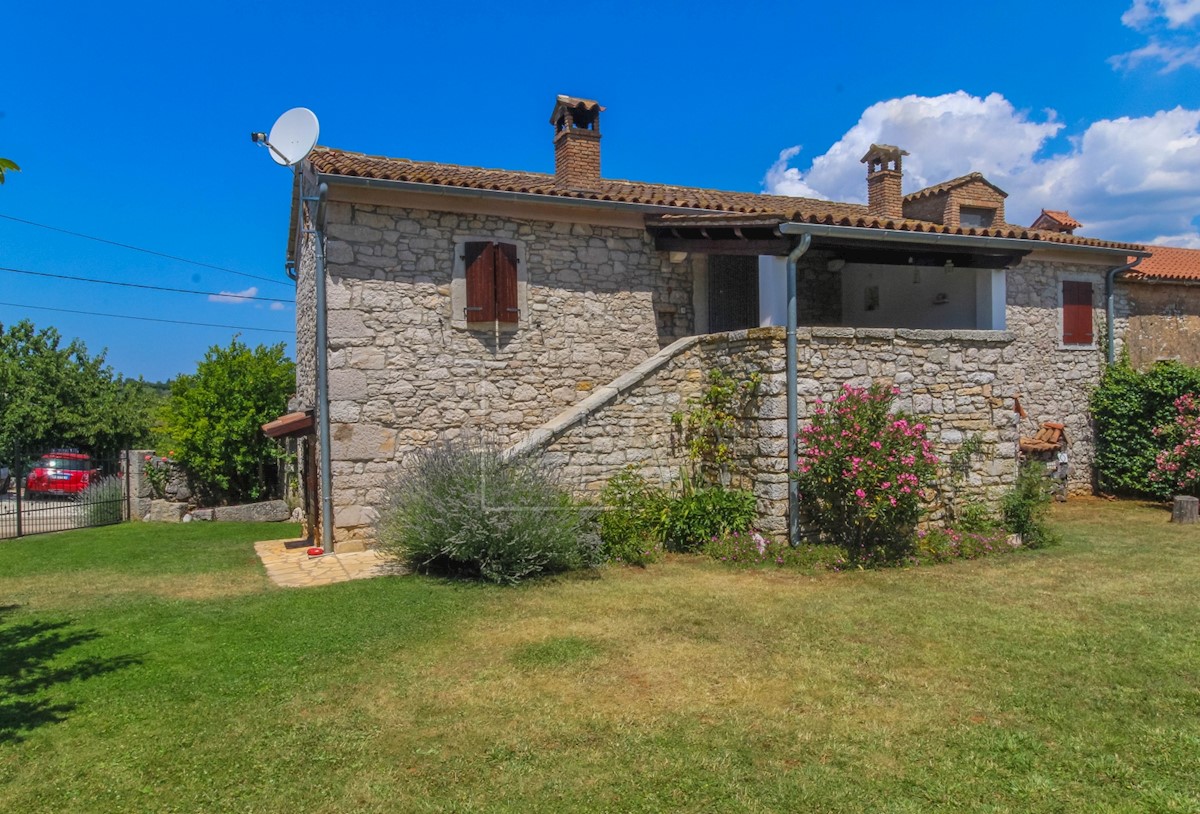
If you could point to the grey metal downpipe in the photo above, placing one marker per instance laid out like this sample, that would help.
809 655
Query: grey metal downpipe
793 396
323 375
1110 310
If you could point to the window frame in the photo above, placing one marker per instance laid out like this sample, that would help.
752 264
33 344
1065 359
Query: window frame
1061 290
458 285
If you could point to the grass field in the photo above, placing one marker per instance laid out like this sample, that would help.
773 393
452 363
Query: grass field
154 668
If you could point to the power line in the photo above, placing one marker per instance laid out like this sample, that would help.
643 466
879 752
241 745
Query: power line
142 285
145 319
144 251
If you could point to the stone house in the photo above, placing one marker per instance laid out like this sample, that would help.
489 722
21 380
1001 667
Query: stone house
571 314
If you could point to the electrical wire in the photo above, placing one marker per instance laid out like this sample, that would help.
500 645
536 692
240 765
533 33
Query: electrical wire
146 319
144 251
227 294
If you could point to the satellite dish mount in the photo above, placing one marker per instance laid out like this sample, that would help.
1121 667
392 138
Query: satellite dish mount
292 137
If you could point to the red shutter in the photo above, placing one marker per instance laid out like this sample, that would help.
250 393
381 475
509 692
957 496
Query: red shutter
1077 313
506 283
481 282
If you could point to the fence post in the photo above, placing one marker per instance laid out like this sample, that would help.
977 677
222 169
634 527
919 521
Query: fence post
128 503
19 466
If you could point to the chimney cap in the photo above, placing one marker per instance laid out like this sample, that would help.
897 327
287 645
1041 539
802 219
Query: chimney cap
563 102
884 151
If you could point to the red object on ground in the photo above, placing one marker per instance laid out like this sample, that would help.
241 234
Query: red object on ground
316 551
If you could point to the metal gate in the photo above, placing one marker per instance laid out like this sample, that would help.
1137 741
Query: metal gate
61 489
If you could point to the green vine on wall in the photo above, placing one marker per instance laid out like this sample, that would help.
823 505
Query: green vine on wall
708 425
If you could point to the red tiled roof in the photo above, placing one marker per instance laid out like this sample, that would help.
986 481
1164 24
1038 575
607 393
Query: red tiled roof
946 186
800 210
1167 263
1062 218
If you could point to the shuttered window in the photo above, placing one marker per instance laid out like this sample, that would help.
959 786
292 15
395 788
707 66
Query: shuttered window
491 272
1077 313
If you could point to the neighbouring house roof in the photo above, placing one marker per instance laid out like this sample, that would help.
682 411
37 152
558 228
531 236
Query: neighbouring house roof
1167 264
953 183
333 162
1062 218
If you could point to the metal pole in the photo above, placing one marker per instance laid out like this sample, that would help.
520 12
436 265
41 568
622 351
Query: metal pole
793 398
18 464
323 375
1109 305
128 476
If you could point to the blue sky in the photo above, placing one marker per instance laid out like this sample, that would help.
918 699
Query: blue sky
131 123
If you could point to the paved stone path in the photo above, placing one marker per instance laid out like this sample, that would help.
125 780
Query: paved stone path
288 564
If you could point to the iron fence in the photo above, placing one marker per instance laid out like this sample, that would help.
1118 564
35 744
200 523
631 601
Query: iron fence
61 489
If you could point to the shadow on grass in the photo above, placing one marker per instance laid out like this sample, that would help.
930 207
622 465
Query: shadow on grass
30 653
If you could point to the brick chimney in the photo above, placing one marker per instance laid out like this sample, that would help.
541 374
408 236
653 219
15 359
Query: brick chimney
884 174
576 142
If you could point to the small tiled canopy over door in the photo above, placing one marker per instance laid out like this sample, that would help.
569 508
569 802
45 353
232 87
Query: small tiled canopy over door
491 282
1077 313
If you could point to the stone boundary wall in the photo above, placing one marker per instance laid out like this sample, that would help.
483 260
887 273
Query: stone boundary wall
957 381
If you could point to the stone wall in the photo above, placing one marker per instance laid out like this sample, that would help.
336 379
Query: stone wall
952 379
1162 321
600 301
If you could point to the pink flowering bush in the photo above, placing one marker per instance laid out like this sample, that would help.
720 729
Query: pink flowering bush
863 470
1177 467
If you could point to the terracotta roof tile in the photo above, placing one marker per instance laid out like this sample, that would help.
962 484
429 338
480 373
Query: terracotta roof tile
1167 263
801 210
946 186
1062 217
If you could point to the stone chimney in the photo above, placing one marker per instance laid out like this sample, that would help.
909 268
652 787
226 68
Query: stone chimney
576 142
884 174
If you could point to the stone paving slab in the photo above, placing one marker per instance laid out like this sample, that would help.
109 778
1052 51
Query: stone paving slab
288 564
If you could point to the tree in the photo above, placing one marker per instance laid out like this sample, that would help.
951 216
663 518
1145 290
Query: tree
55 396
7 164
214 418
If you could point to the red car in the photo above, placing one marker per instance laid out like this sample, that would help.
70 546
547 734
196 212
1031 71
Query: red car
61 473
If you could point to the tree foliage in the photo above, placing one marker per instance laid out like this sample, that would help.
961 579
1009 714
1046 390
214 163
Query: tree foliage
1127 407
214 418
7 165
53 395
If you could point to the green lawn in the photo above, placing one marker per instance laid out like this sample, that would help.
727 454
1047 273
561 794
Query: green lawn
154 668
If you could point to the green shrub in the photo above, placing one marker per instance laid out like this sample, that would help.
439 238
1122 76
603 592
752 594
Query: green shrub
640 518
697 514
754 549
1024 509
102 503
1127 407
629 523
463 512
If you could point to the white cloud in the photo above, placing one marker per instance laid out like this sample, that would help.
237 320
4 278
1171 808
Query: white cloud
1169 45
1176 13
277 306
234 296
1172 57
1125 179
1189 240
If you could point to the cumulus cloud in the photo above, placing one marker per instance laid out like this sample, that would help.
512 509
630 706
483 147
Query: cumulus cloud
1170 44
277 306
1125 179
234 296
946 136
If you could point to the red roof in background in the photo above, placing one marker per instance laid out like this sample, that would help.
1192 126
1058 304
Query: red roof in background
1167 263
1063 218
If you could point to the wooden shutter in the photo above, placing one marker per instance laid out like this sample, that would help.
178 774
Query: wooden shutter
1077 313
481 282
506 283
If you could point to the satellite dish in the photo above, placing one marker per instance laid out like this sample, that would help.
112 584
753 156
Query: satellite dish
293 136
